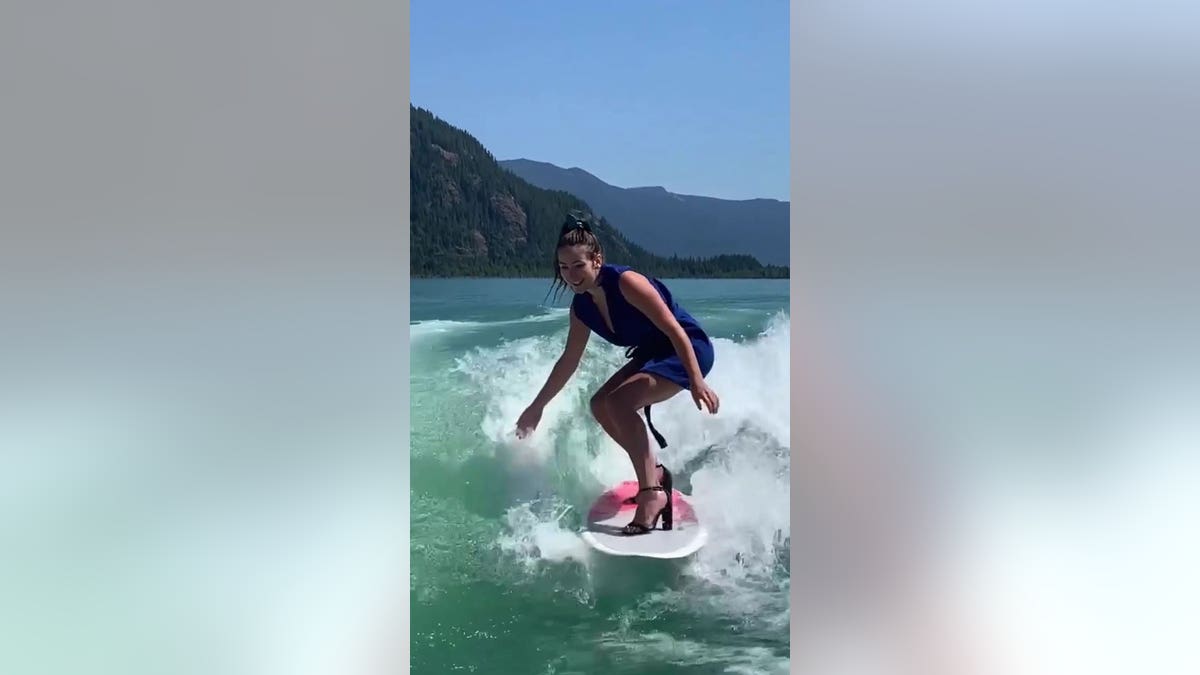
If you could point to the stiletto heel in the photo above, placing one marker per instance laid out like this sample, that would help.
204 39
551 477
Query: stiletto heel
667 510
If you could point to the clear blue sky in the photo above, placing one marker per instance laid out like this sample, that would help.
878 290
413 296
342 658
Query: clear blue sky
690 95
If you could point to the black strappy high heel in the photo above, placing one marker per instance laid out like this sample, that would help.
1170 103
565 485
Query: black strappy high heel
666 480
636 528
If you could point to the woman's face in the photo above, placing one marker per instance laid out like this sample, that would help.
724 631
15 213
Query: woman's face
578 267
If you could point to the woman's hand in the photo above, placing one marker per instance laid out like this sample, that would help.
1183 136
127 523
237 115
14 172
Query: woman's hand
528 421
701 392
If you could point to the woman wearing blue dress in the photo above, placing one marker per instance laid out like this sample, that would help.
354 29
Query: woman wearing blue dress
668 352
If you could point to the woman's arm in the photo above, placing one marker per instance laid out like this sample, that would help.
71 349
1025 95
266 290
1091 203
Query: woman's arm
577 338
564 367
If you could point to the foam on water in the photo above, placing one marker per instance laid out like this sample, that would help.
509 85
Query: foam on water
431 327
657 648
536 532
510 375
737 463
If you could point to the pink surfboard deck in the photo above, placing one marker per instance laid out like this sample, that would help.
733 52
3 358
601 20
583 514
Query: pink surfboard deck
609 514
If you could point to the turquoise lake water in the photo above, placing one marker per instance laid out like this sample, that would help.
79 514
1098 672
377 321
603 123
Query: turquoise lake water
501 582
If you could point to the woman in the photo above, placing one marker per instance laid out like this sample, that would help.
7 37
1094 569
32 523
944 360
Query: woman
668 350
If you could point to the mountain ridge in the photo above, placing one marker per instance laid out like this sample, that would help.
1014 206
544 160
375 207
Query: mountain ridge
669 223
659 188
471 217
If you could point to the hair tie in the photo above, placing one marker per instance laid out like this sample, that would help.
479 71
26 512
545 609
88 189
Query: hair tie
575 222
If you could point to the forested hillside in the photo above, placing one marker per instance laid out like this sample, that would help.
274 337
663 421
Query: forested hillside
471 217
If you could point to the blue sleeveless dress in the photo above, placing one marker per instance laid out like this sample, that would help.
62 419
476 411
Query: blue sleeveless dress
632 329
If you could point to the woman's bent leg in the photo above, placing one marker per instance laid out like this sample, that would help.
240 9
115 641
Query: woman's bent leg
621 406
